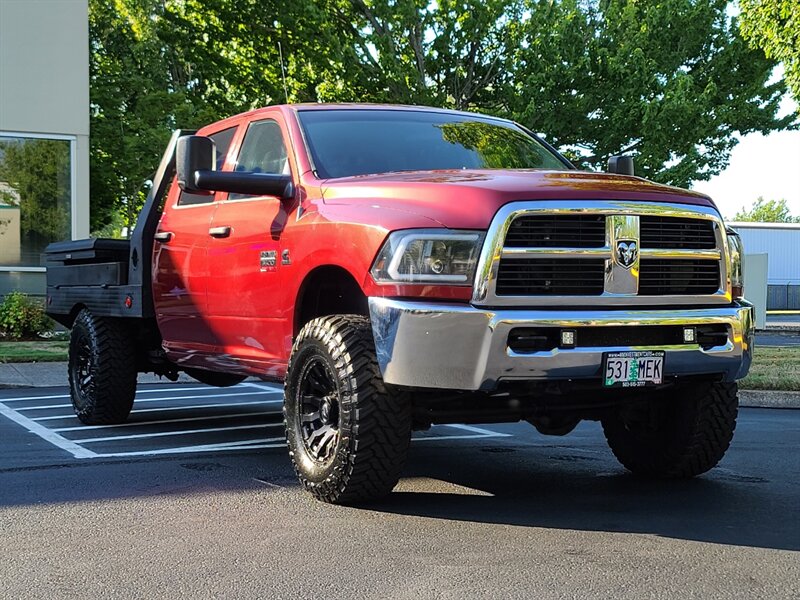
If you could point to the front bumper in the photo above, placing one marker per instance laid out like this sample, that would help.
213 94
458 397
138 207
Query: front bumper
461 347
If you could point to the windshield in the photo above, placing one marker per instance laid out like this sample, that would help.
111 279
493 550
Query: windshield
360 142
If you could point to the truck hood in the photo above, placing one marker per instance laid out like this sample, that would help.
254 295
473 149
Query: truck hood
468 199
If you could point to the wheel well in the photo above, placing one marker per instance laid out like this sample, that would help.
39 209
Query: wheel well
328 290
73 314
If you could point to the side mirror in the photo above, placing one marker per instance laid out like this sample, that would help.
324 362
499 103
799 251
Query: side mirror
194 154
622 165
195 160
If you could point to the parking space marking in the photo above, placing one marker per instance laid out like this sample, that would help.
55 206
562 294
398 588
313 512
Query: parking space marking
169 408
51 406
109 441
162 421
137 436
61 396
475 433
225 446
46 434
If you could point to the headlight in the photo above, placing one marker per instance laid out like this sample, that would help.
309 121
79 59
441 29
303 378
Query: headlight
428 256
736 263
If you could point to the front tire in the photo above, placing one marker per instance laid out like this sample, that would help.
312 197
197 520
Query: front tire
348 433
680 435
102 369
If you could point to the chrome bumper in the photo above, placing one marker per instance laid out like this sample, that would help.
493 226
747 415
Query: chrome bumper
461 347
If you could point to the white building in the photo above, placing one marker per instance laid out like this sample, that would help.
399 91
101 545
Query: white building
781 242
44 134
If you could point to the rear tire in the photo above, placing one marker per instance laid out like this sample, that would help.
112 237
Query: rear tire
348 433
102 369
680 435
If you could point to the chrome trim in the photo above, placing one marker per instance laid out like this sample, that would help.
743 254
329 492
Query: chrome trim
621 279
462 347
622 223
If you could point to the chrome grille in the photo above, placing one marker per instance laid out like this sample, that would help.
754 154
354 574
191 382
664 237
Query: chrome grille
548 277
661 277
604 253
557 231
675 232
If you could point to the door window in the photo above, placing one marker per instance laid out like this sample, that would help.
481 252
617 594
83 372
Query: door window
222 140
263 151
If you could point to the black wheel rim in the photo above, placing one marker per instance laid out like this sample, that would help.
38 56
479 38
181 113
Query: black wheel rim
318 409
82 369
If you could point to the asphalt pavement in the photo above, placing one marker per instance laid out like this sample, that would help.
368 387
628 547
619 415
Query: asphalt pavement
195 497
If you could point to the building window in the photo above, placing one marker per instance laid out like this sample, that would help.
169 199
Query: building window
35 197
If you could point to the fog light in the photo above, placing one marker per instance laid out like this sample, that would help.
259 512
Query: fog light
689 335
567 338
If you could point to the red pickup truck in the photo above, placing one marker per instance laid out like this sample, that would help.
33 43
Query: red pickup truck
400 267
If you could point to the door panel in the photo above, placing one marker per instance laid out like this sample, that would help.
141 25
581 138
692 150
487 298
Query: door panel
244 290
180 276
180 263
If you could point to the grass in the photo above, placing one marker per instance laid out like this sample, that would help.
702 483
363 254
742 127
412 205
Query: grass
38 351
772 369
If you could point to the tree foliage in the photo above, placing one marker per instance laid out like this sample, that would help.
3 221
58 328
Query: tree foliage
669 82
774 26
767 211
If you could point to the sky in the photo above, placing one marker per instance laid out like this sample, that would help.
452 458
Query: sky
760 165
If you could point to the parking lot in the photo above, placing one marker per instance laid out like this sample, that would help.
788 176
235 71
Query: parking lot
195 493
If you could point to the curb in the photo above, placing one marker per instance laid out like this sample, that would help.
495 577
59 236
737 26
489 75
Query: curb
768 399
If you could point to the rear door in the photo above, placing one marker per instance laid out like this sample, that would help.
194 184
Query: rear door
246 258
180 263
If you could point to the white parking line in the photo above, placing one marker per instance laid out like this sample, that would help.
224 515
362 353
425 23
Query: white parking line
135 436
46 434
475 433
162 421
150 400
242 445
169 408
60 396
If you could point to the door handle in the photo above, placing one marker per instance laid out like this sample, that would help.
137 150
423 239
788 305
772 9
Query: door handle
163 236
220 232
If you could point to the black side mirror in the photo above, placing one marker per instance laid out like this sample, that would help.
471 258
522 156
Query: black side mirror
195 160
622 165
194 154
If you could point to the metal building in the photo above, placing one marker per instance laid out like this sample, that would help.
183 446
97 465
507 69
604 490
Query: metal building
781 242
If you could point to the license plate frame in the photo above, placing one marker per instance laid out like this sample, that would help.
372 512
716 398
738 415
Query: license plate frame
630 376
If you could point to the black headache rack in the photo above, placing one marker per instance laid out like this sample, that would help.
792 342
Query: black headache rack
110 277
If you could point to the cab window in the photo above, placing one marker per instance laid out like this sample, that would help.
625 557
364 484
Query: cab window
263 151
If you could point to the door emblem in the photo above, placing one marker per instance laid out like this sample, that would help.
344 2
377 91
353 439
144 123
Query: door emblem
268 260
626 252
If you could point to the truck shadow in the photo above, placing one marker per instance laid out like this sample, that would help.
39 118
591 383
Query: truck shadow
563 489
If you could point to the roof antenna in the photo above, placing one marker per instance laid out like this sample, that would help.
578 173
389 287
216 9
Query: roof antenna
283 73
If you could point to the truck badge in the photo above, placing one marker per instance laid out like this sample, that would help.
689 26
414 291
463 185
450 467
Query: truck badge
268 260
626 253
285 260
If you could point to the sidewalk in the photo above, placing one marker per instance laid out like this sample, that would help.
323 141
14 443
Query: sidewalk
13 375
50 374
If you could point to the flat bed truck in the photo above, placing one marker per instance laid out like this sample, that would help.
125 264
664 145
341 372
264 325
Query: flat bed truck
398 267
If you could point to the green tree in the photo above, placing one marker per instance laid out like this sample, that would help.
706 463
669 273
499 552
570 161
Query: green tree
669 82
774 26
767 211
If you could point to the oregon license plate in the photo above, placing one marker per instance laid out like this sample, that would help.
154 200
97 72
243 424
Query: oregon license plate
633 369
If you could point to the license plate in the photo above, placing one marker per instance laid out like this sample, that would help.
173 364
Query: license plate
633 369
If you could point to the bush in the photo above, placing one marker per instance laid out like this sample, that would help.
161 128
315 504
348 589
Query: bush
22 317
